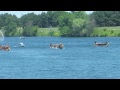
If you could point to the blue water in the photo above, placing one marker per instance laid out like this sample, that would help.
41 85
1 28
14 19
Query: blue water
79 59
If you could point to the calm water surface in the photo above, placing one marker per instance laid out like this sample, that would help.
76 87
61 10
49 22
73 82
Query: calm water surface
79 59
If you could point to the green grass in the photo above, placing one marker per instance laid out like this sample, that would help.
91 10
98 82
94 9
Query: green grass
106 31
48 32
98 31
18 31
41 32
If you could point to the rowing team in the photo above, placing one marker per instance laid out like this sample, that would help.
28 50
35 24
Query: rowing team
6 48
60 46
101 44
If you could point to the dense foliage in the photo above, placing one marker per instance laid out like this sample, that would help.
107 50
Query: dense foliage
72 23
106 18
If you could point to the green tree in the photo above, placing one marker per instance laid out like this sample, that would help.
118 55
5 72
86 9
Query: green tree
78 26
29 19
106 18
9 23
65 23
30 31
90 24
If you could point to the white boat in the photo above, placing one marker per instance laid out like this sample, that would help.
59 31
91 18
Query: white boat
22 37
22 44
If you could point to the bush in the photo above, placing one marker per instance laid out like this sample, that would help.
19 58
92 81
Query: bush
29 31
104 29
51 33
112 31
118 34
106 34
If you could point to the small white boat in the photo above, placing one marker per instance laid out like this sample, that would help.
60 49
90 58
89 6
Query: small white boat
22 44
22 37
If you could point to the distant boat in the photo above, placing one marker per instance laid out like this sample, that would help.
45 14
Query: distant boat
101 44
6 48
60 46
22 44
22 37
3 47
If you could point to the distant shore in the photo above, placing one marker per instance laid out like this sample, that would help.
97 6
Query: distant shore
97 32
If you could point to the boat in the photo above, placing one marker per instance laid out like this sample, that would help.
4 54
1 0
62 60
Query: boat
5 48
60 46
22 37
101 44
22 44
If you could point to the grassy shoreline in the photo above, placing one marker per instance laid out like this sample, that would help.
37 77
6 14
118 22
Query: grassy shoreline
97 32
106 31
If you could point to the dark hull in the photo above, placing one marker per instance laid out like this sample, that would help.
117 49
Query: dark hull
101 44
60 46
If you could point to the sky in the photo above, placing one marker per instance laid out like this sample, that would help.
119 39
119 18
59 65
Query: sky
20 13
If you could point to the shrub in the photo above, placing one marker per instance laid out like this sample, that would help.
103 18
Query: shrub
112 31
118 34
104 29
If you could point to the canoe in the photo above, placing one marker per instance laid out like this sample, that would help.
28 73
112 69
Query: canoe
6 48
60 46
101 44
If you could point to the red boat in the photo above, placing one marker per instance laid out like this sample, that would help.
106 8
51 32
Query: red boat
6 48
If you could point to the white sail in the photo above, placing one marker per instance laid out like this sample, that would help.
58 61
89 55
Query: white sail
1 36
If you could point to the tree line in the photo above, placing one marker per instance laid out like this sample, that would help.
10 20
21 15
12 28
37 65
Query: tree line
71 24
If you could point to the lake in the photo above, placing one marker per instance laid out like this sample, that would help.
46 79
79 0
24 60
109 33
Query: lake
79 59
